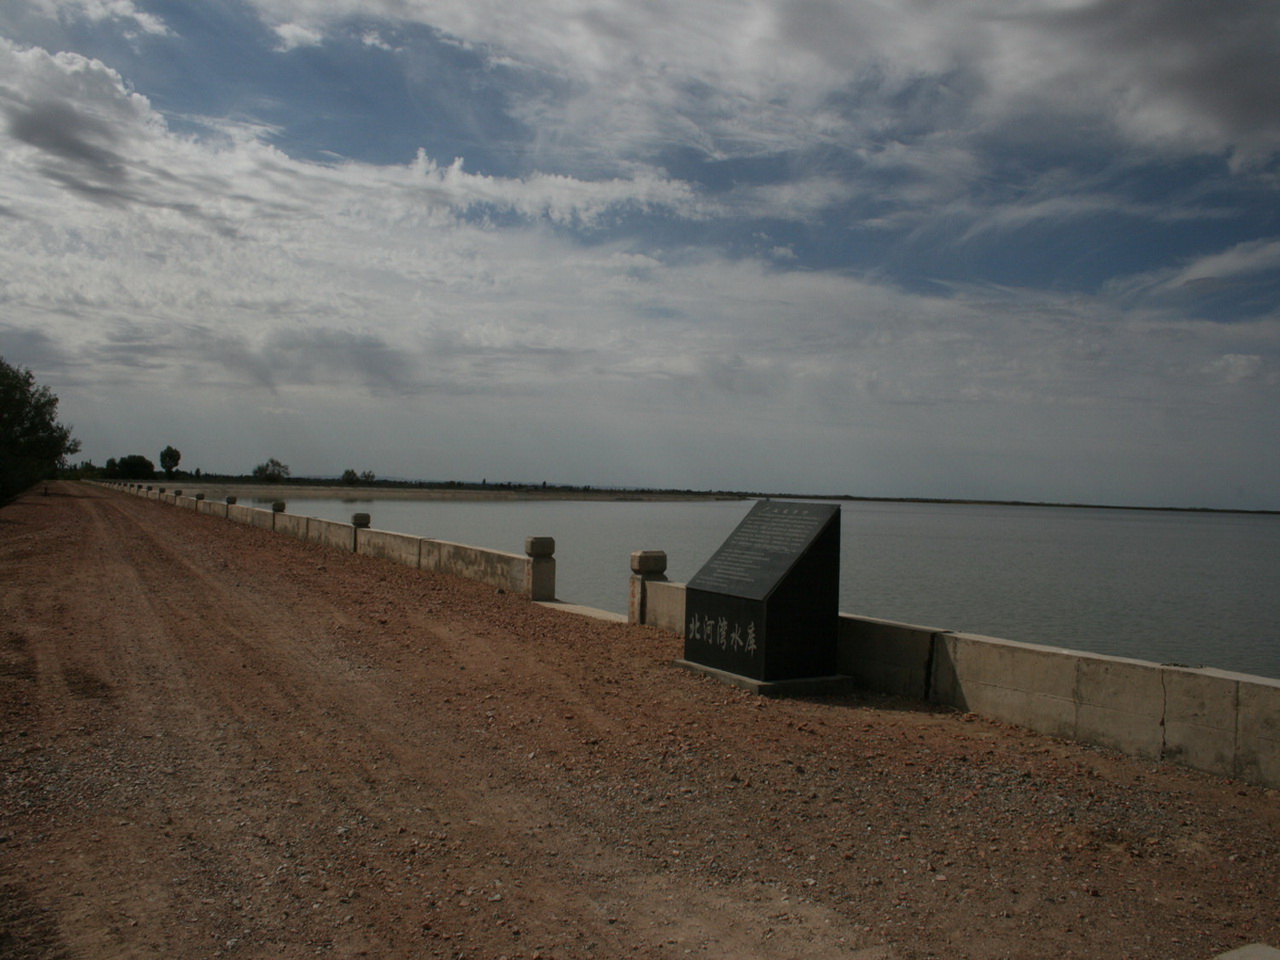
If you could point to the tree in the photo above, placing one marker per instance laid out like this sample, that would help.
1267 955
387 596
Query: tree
350 477
273 471
169 458
135 467
33 444
368 476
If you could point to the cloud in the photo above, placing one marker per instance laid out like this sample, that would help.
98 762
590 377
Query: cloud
74 114
1236 367
1243 259
689 266
768 76
76 125
124 12
293 35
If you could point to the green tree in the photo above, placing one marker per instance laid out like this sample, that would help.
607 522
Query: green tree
350 477
273 471
169 458
135 467
33 444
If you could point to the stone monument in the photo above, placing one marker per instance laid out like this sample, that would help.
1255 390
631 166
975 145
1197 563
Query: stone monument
763 612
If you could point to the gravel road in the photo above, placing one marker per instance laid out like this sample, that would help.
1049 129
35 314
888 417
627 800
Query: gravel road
220 742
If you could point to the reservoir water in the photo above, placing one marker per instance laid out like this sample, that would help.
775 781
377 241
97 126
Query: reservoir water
1171 587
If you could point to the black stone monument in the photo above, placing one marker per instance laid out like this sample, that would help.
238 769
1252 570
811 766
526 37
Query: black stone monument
765 607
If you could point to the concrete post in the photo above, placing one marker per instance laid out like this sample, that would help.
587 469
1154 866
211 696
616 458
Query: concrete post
646 566
361 521
231 500
541 575
277 507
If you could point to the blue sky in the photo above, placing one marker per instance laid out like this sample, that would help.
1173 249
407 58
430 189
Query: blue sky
1009 249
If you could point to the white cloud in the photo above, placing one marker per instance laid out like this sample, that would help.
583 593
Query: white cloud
97 11
294 35
1235 367
744 77
1244 259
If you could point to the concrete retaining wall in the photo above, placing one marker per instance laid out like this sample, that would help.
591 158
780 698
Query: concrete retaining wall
506 570
664 605
253 516
1220 722
291 525
886 656
331 533
396 547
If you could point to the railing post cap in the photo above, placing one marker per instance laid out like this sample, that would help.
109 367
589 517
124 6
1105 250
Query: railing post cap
278 506
649 562
231 500
540 546
361 520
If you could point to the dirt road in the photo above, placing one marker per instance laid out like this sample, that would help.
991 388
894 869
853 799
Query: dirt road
219 742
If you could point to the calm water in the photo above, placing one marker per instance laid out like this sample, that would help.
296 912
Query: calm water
1190 588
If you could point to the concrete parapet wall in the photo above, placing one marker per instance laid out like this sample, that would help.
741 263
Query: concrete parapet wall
664 605
214 508
396 547
291 525
1216 721
506 570
1201 717
1019 682
1257 729
1120 703
332 533
884 655
253 516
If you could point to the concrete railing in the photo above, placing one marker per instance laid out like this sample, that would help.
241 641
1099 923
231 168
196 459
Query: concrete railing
532 574
1212 720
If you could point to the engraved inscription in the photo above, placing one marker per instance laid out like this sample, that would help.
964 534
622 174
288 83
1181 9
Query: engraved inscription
773 534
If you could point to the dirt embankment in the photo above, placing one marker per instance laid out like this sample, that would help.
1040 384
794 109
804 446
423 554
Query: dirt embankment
221 742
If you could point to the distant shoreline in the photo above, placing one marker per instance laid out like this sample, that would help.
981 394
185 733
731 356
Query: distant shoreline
398 490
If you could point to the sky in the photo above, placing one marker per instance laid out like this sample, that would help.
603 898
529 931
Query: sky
993 249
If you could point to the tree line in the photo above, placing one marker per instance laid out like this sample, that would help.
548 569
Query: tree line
35 445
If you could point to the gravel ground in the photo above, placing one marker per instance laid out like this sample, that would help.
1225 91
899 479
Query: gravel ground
219 742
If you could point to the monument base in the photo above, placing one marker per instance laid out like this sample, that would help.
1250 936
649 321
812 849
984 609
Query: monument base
799 687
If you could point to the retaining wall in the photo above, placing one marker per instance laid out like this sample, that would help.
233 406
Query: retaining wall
1217 721
509 571
332 533
396 547
214 508
253 516
291 525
